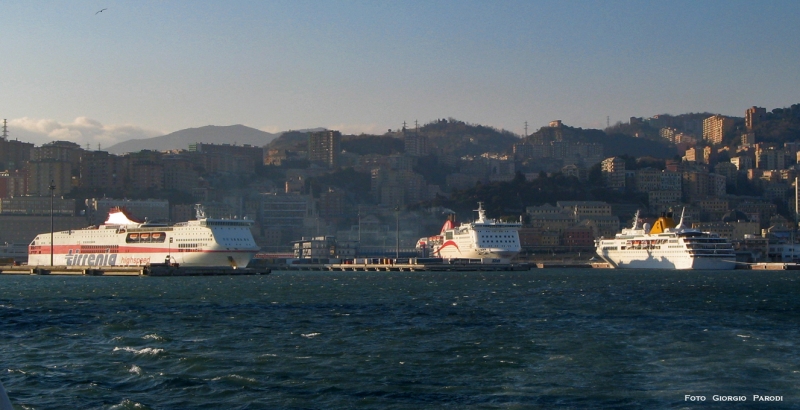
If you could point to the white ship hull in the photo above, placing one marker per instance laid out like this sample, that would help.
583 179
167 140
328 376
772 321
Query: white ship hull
123 242
487 240
467 250
132 258
645 260
666 246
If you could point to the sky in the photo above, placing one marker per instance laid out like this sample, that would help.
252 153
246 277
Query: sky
142 68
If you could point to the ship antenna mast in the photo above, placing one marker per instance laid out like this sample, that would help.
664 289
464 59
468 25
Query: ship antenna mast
680 224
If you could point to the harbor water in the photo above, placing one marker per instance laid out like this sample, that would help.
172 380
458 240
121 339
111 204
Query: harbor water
572 338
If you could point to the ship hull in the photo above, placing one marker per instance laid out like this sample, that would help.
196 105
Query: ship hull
666 246
205 242
489 241
643 260
204 258
490 255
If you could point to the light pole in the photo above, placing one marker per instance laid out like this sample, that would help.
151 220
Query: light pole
52 195
397 233
794 226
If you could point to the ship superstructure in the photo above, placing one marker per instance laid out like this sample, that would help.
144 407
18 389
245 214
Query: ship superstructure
487 240
666 246
125 241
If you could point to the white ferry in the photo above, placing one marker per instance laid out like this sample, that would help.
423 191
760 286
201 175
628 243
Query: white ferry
125 241
484 240
666 246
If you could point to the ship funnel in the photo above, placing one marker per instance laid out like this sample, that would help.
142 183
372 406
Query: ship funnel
450 223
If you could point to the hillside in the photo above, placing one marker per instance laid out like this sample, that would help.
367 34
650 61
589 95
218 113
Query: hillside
292 140
613 144
212 134
372 144
781 125
452 136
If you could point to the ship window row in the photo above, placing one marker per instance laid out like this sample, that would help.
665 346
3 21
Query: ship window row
99 248
225 223
146 237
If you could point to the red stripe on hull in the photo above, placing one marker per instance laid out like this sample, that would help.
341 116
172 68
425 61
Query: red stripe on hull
64 249
446 244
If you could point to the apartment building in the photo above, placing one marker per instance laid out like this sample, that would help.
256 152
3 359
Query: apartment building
324 148
614 172
715 128
754 115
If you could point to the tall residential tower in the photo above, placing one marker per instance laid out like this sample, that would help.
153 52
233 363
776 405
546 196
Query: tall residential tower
324 148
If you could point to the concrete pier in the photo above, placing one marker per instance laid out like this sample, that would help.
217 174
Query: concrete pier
401 267
150 270
771 266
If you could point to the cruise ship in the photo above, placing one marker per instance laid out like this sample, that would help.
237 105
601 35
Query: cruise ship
125 241
483 240
666 246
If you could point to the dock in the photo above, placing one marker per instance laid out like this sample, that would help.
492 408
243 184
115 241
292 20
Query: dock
402 267
149 270
545 265
770 266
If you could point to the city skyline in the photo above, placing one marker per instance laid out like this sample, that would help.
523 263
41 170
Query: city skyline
144 69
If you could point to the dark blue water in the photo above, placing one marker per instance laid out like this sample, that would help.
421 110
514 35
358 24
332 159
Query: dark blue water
510 340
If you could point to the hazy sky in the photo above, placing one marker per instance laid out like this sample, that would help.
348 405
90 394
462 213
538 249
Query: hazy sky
146 68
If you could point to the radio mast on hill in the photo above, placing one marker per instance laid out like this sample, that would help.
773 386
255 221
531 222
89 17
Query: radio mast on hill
5 129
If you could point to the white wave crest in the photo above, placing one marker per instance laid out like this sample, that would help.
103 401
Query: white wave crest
153 336
135 369
310 335
234 377
127 404
146 350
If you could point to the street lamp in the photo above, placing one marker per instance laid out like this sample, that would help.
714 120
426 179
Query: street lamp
397 233
52 188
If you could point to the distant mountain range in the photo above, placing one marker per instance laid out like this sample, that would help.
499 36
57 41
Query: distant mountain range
212 134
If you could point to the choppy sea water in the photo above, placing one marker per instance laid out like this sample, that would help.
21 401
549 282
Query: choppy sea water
305 340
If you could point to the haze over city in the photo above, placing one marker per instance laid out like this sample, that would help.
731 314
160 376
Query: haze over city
146 68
